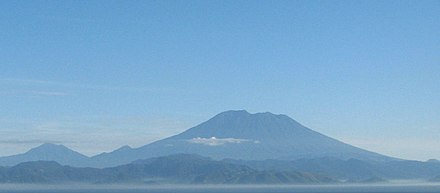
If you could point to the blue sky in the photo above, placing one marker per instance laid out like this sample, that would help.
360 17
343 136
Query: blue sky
96 75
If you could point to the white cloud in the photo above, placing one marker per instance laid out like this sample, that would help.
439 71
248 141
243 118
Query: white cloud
213 141
69 85
48 93
30 141
32 93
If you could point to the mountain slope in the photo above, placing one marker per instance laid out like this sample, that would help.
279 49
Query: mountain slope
195 169
352 169
48 172
182 169
435 179
47 152
241 135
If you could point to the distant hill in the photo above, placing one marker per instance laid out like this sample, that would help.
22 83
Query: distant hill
433 161
181 169
435 179
47 152
241 135
276 144
353 169
371 180
47 172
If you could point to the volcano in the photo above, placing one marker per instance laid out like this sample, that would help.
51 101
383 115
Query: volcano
246 136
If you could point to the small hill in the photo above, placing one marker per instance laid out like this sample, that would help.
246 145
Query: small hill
435 179
47 152
433 161
370 180
350 169
174 169
44 172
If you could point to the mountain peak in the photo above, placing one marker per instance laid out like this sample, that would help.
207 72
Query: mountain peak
50 150
240 124
123 148
244 135
246 113
46 152
46 147
433 161
234 113
51 145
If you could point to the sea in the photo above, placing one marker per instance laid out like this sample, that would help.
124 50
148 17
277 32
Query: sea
414 188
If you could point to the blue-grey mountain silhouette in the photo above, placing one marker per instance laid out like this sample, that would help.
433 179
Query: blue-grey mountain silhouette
241 135
352 169
261 141
47 152
180 169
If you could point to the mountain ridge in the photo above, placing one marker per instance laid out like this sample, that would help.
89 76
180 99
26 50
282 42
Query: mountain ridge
235 134
173 169
239 134
47 152
261 141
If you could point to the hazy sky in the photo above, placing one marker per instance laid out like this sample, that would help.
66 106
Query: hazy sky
96 75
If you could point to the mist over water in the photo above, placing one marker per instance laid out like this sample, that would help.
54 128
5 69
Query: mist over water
389 188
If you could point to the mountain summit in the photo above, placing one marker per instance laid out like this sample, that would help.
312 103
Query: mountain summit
242 135
47 152
243 125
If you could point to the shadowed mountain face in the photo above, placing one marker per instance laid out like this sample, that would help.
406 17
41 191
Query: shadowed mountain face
47 152
241 135
435 179
352 169
182 169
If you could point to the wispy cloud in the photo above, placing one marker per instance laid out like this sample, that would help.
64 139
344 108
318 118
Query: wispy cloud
34 141
86 86
48 93
213 141
33 93
26 81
